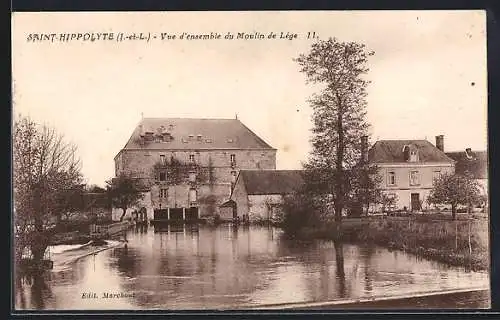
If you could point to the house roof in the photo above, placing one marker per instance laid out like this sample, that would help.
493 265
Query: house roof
384 151
228 204
188 133
475 162
259 182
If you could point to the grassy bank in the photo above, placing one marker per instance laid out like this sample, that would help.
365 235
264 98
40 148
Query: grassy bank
462 243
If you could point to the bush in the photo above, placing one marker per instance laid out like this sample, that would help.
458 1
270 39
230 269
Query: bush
299 212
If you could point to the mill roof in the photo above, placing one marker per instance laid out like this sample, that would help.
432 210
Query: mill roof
474 162
189 133
387 151
260 182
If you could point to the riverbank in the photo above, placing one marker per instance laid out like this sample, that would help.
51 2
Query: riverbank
453 299
463 242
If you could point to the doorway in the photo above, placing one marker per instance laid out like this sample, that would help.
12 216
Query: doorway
415 202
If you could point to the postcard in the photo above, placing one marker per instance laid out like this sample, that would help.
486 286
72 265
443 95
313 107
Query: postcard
286 160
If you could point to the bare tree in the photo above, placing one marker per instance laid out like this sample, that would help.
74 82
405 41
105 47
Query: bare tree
45 166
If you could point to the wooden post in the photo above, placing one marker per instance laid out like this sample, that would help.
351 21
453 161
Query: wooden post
168 213
184 214
470 245
456 235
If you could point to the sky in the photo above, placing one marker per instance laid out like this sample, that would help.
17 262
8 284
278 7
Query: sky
428 76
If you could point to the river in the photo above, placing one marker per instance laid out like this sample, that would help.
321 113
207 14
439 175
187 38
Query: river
231 268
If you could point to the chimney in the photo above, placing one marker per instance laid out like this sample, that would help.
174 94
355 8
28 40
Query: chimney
440 142
364 149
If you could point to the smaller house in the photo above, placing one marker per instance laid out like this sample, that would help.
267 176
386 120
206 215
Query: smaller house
474 163
408 169
258 194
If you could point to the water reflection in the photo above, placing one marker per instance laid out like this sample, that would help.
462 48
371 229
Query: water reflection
186 267
339 271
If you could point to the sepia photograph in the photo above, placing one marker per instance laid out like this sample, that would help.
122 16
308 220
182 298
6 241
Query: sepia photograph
254 160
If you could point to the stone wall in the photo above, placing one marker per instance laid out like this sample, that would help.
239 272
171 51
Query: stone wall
263 207
210 194
140 163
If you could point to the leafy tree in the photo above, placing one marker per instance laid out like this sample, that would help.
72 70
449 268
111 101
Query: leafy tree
70 201
339 112
388 201
298 211
45 167
124 192
455 189
363 187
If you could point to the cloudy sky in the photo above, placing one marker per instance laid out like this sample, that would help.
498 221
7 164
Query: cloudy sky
428 76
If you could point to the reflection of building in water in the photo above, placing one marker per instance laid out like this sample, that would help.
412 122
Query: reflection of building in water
184 163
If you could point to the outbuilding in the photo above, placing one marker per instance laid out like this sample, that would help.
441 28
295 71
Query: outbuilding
258 194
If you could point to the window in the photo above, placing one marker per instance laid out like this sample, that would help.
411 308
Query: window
162 159
163 176
233 159
163 193
192 197
413 156
406 153
198 137
391 178
436 174
414 178
192 176
191 158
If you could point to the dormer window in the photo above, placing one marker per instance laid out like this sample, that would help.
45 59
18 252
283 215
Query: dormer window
410 153
413 155
198 137
191 136
149 136
230 140
406 153
468 154
167 137
159 138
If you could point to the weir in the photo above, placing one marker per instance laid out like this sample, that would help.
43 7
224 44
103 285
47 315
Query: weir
173 215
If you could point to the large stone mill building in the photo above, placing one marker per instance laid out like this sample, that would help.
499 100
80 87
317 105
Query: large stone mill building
190 163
